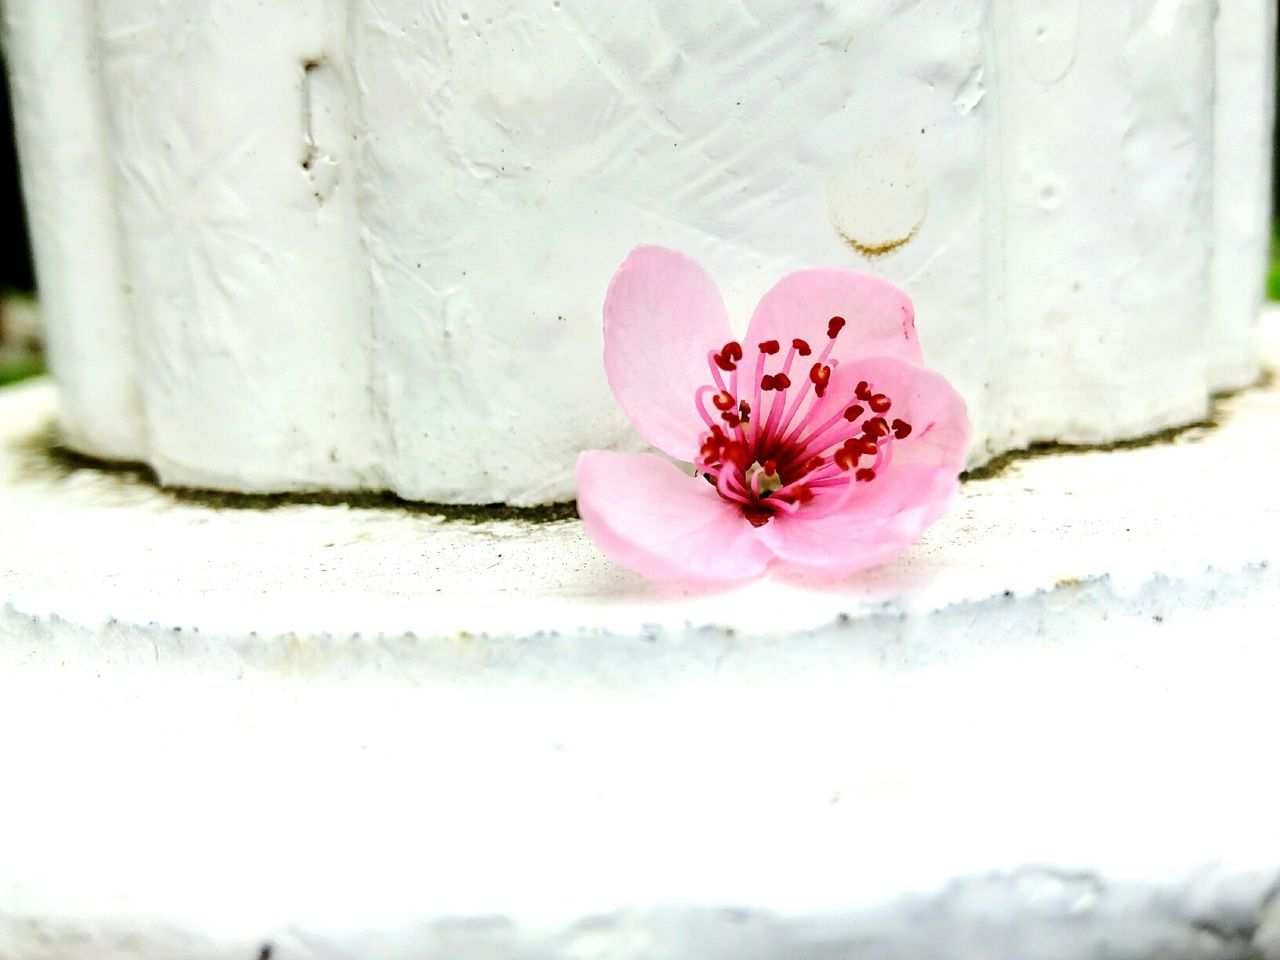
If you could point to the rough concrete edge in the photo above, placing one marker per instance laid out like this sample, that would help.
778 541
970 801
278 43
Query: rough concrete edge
890 636
1036 910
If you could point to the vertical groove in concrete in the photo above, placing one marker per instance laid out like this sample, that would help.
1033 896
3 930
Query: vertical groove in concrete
1244 105
230 135
76 242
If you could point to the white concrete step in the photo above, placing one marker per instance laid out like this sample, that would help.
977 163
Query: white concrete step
1048 731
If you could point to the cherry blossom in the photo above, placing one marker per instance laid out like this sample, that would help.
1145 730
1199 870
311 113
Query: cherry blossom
818 440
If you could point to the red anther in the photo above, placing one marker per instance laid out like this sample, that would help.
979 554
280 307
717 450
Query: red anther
868 446
781 381
727 359
802 493
770 467
853 413
834 326
723 400
766 382
862 391
770 347
846 458
876 427
744 411
800 347
901 429
810 465
820 374
865 475
732 419
880 403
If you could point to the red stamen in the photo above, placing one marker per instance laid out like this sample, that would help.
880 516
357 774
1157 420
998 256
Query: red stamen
846 458
727 359
876 427
820 374
820 453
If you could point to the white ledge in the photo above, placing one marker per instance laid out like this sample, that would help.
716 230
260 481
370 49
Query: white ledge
1046 731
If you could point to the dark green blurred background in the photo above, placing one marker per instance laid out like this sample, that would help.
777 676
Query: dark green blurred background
15 261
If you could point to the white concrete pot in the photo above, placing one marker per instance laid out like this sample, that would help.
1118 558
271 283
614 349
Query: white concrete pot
353 244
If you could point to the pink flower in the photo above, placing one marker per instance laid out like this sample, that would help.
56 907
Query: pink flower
818 441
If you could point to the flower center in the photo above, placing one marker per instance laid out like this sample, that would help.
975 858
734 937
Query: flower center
773 448
760 478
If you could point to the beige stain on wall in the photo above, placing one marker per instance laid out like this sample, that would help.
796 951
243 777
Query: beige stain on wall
877 198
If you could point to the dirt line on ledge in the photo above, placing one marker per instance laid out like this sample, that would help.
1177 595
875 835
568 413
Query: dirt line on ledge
45 454
999 465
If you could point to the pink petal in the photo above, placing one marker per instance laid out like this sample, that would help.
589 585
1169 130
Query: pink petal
648 515
880 321
877 526
662 315
921 397
937 413
881 518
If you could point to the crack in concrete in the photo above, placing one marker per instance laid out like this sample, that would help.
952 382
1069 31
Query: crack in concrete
1239 940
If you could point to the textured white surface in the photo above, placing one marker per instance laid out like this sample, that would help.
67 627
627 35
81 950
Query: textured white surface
1046 732
1243 128
1101 136
365 242
68 179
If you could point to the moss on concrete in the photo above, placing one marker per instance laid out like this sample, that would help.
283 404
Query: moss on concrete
50 456
1050 448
